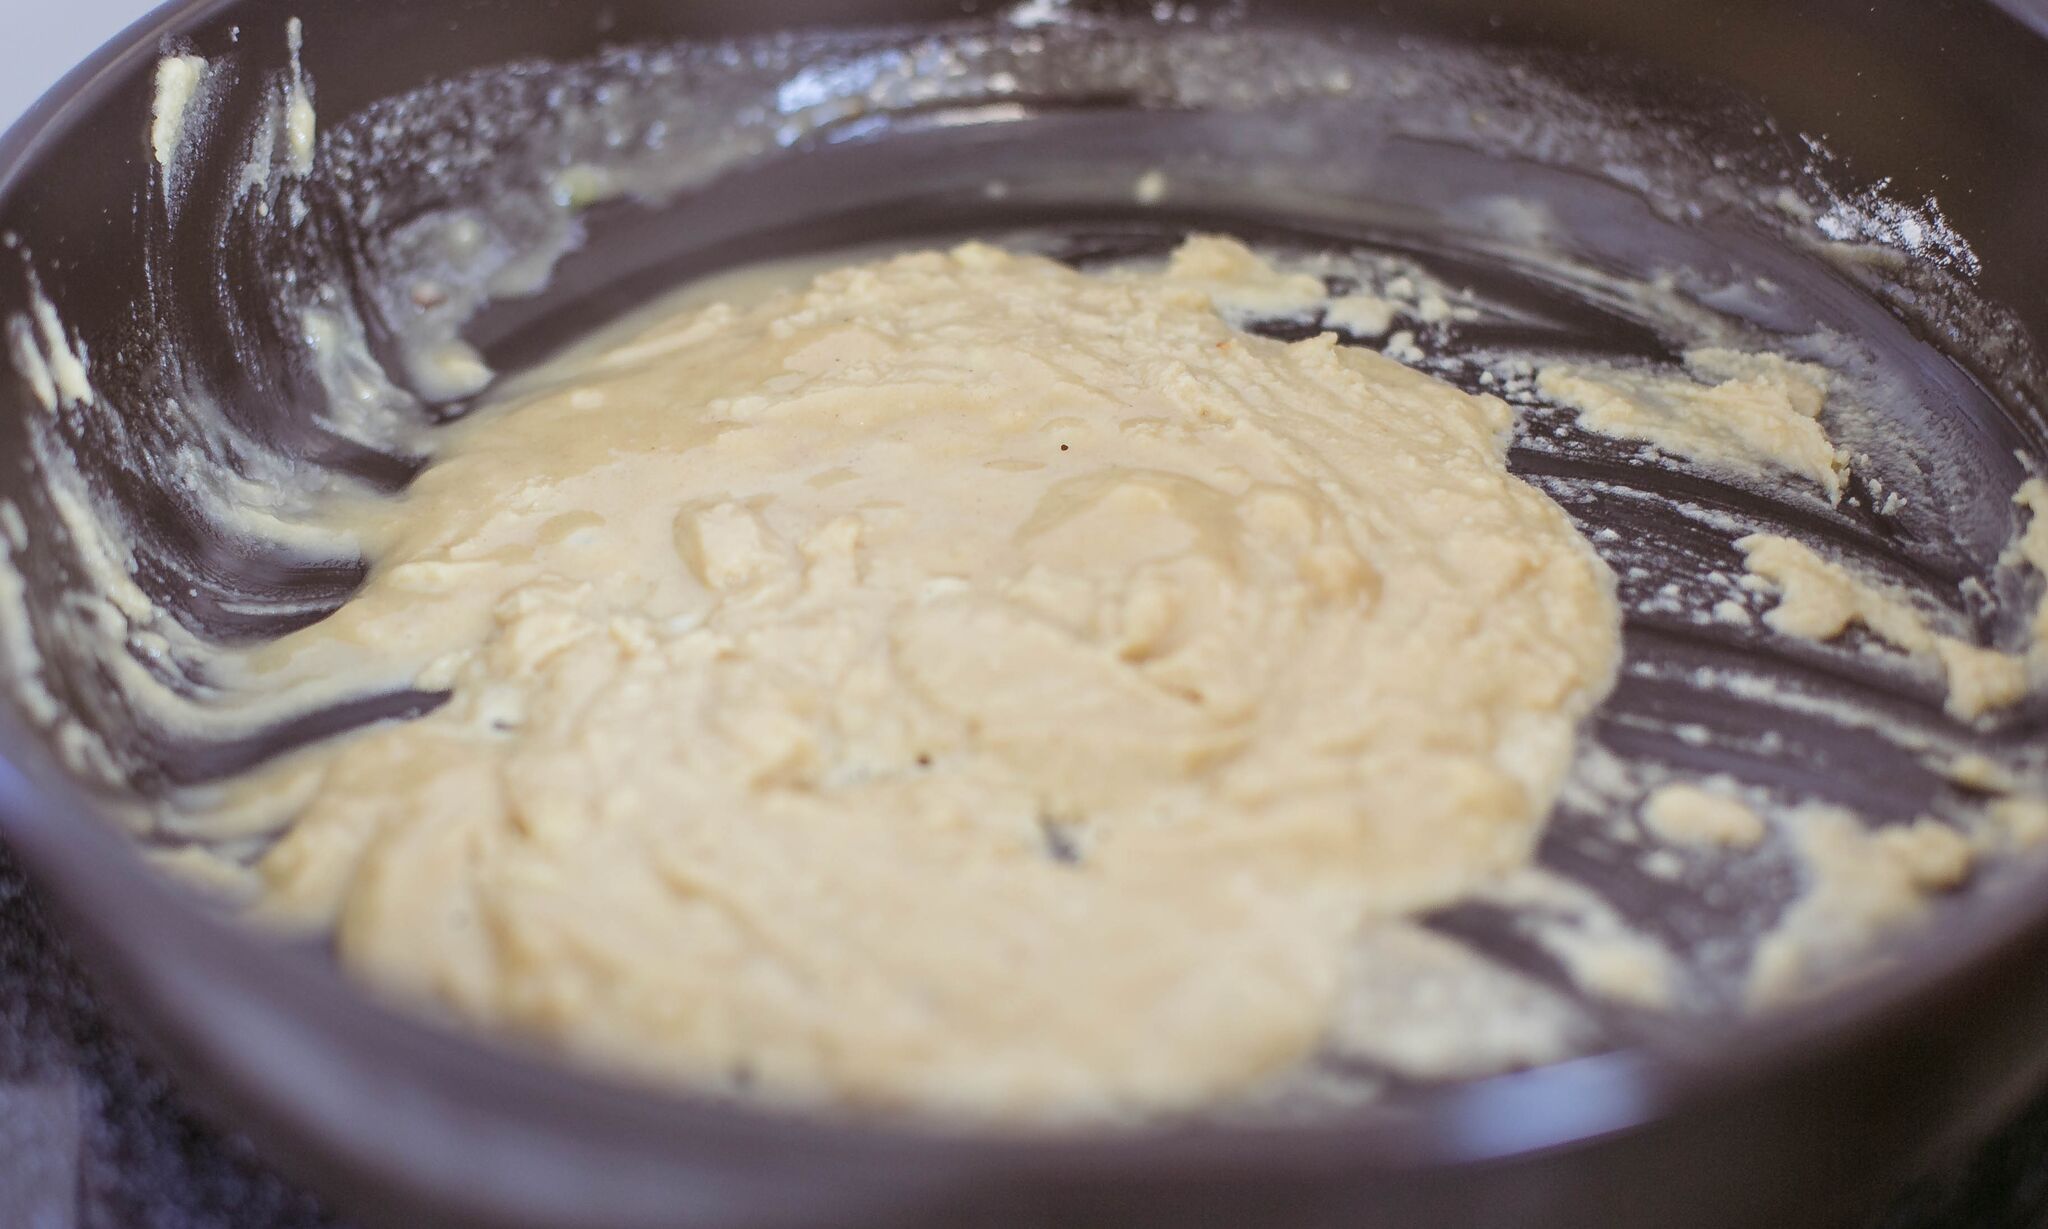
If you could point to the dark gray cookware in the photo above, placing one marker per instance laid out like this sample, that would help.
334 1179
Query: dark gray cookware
1796 1120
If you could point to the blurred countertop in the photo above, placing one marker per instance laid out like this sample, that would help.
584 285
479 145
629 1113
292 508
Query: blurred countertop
44 38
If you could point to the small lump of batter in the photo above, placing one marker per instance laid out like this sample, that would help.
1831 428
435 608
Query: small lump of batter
178 77
962 684
1749 413
1818 599
1688 814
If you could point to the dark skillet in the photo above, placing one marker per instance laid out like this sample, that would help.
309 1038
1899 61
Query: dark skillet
1788 1123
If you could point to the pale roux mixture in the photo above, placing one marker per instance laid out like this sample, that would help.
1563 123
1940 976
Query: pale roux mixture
964 684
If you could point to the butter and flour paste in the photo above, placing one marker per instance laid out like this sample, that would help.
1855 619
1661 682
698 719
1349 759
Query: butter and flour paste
963 683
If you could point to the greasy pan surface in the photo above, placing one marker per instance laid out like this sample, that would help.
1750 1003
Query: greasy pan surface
408 1123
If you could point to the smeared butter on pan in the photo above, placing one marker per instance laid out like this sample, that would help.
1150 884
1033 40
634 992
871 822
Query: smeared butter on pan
962 684
1753 413
1863 885
1818 599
